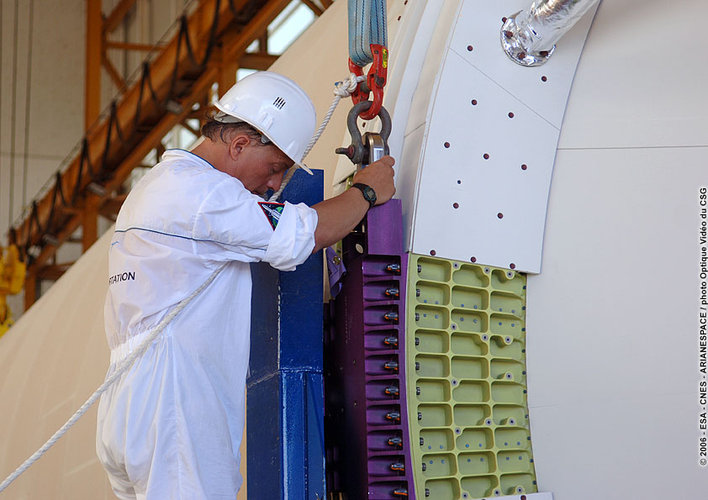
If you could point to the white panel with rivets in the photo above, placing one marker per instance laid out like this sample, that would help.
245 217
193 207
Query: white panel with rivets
492 130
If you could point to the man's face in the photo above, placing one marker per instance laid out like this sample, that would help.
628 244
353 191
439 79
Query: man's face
261 168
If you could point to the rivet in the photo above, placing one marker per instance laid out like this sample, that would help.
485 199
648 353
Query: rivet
500 215
544 79
511 115
470 48
485 156
459 181
543 53
503 19
455 205
399 18
521 55
474 102
447 144
432 252
473 259
524 166
512 266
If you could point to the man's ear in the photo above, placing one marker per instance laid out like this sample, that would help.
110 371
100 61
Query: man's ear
237 143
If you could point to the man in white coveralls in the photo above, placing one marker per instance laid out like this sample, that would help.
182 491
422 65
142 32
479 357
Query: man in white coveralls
171 426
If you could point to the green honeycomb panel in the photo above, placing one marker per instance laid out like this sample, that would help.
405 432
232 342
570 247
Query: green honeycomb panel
466 359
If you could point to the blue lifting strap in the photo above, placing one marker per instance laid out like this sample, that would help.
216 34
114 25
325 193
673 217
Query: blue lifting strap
367 26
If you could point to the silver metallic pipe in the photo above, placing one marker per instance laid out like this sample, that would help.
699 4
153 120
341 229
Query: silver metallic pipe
529 37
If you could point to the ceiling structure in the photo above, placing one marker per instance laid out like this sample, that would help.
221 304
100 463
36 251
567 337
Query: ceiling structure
210 42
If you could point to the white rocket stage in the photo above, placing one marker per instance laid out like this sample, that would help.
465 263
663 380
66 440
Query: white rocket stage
612 316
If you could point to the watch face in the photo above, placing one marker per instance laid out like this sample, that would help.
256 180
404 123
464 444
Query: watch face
368 193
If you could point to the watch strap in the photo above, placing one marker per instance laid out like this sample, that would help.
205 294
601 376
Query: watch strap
368 193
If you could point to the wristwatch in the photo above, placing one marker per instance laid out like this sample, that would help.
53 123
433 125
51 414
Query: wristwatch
368 192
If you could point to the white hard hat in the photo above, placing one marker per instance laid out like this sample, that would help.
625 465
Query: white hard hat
277 107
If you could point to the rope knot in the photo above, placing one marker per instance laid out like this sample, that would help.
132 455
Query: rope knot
347 87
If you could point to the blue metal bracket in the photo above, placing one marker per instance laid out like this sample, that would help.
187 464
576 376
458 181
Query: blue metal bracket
285 407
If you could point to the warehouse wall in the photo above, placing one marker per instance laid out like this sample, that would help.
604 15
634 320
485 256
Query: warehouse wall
42 72
41 98
42 61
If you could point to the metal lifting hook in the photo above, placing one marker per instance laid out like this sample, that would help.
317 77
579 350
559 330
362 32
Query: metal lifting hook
370 148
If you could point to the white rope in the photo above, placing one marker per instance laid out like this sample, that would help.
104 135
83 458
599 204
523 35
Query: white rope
121 368
341 90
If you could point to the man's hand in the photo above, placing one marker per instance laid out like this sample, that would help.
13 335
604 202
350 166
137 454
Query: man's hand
378 175
337 216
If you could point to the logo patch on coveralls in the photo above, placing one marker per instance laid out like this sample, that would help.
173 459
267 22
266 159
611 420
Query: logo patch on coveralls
272 212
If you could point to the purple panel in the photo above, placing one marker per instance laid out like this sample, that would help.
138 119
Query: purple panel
385 229
369 453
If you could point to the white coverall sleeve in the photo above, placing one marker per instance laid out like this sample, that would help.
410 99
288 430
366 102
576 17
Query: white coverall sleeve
234 224
294 238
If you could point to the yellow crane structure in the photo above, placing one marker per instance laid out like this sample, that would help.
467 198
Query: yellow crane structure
12 279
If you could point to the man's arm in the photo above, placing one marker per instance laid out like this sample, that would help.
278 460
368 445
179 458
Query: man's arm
339 215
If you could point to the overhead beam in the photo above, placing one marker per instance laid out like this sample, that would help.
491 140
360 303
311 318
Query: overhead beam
145 47
89 224
124 169
162 70
121 173
117 78
115 18
235 46
31 285
313 7
232 38
111 206
257 61
189 128
227 72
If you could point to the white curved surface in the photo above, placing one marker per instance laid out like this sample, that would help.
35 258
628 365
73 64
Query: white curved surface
53 359
613 318
491 133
